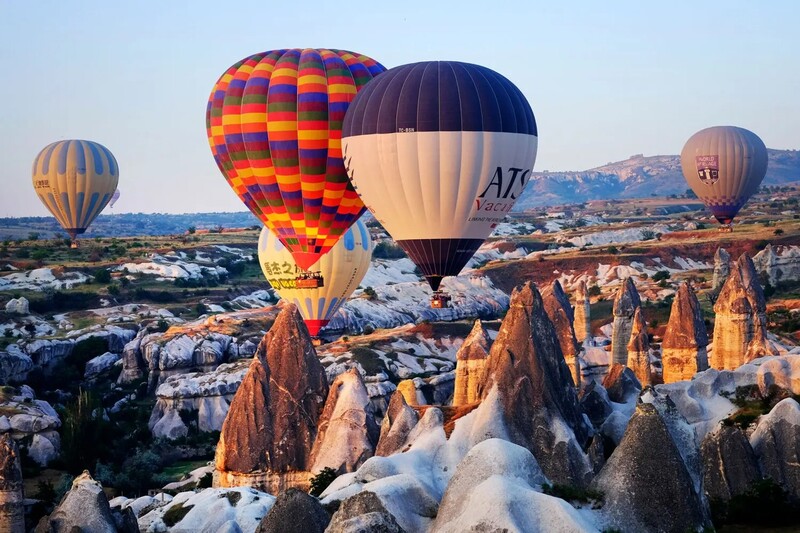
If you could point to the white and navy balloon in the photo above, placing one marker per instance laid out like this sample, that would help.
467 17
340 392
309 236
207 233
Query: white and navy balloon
439 152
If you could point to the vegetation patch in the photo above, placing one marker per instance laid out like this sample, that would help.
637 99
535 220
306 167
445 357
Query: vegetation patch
765 503
322 480
574 494
369 360
175 514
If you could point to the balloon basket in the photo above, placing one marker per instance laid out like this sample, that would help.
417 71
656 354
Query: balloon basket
309 280
73 245
440 300
316 341
726 228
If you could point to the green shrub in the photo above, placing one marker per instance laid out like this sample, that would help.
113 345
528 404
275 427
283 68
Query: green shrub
387 250
321 481
765 503
175 514
661 275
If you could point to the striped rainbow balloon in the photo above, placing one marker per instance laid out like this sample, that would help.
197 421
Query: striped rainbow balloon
75 180
274 124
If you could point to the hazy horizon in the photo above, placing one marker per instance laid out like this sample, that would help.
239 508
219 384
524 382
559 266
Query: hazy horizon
605 82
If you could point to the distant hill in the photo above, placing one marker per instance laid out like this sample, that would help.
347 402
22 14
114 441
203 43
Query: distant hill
637 177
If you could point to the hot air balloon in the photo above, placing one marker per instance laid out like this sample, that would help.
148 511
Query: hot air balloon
344 266
274 125
114 198
75 180
439 151
724 166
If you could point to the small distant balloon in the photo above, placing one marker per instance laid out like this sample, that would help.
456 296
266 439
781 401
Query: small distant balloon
75 180
343 268
724 166
114 198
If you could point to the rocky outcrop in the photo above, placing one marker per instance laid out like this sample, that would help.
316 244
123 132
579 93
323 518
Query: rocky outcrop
645 482
558 309
18 306
776 443
583 321
729 464
684 346
621 384
527 373
84 508
411 394
778 264
595 403
14 365
12 508
625 305
45 352
200 398
400 419
365 513
271 425
722 269
294 511
741 320
470 363
32 421
347 432
639 349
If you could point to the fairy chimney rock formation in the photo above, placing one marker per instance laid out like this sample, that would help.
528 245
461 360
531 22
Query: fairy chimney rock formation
400 419
558 309
625 305
684 346
740 324
347 432
582 323
470 363
538 405
410 393
639 349
272 421
12 508
722 269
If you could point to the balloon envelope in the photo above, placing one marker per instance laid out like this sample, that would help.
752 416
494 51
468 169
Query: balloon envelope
343 268
439 152
724 166
75 180
274 124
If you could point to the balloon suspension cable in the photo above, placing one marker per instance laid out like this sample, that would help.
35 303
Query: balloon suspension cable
309 280
440 300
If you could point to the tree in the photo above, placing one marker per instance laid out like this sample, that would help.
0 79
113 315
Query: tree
191 230
661 275
102 275
82 433
778 232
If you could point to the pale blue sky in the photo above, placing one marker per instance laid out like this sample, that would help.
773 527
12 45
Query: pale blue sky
605 79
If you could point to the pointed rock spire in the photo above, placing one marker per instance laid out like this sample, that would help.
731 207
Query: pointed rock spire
539 405
582 323
272 422
625 305
722 269
639 349
558 309
400 419
684 346
470 363
347 432
741 319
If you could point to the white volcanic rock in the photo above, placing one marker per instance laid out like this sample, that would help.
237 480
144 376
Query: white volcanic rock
776 443
84 508
100 364
18 305
233 509
115 336
41 279
14 364
779 263
722 269
346 431
43 352
617 236
171 268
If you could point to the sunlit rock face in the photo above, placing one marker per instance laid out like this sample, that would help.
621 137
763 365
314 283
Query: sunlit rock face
741 318
396 427
776 443
470 364
539 405
272 422
12 509
684 346
625 305
778 264
559 311
639 349
582 323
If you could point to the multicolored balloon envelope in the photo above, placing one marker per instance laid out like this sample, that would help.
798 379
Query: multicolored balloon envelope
343 268
75 180
439 152
724 166
274 124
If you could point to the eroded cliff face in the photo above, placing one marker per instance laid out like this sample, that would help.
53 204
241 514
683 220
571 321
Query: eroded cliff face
470 364
625 305
639 349
741 318
272 422
12 508
582 323
559 311
684 346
